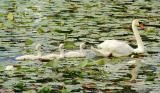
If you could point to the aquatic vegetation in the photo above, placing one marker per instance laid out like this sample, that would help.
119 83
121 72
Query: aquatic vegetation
10 16
2 68
45 89
25 23
150 30
19 86
28 42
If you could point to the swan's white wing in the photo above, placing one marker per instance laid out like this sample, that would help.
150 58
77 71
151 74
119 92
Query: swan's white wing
100 52
117 48
50 56
74 54
108 44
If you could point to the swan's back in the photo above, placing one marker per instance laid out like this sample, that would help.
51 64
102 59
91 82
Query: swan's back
50 56
27 57
73 54
100 52
117 48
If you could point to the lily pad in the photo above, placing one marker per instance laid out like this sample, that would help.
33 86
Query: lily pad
10 16
28 42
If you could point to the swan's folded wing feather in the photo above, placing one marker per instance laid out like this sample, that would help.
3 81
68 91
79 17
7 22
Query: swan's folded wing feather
50 56
73 54
122 49
99 52
117 48
27 57
109 44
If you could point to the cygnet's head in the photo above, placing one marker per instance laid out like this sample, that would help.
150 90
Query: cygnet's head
61 46
82 45
38 46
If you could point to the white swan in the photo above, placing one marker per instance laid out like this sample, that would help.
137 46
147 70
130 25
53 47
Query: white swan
118 48
54 55
79 53
31 57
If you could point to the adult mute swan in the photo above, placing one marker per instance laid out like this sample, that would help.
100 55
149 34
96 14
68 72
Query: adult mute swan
118 48
31 57
79 53
54 55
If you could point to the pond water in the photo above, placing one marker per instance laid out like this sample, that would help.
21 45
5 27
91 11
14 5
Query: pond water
25 23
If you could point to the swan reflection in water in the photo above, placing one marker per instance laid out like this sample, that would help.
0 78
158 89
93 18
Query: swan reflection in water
119 70
135 66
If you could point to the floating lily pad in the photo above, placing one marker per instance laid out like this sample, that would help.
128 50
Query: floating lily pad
29 41
10 16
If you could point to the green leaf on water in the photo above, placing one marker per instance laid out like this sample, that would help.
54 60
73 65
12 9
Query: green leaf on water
1 80
62 23
66 91
19 86
58 30
53 63
150 30
40 30
10 16
116 60
28 42
100 62
83 64
1 14
150 78
2 68
30 91
45 89
1 25
69 45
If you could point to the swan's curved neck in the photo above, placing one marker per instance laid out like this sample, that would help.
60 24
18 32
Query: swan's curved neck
140 48
39 53
81 50
61 50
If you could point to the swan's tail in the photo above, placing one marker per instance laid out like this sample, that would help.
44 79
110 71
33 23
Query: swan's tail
98 53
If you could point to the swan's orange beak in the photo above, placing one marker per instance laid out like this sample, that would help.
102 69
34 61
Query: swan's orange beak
141 25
